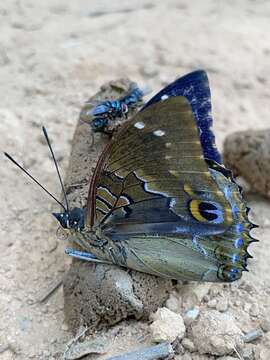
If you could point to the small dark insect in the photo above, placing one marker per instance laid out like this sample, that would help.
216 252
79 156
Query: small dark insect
113 109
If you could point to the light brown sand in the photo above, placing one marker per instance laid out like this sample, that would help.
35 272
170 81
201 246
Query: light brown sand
53 55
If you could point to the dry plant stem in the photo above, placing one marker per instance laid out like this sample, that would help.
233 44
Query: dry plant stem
238 354
74 340
253 335
44 296
160 351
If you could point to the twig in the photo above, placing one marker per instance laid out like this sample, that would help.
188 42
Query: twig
253 335
50 290
150 353
237 353
73 341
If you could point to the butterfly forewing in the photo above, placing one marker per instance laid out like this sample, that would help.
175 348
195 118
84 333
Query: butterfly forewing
153 171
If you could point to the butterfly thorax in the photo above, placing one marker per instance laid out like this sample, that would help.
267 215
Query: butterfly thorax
96 243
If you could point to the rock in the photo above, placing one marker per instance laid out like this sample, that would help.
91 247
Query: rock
186 356
188 345
253 335
248 352
222 304
100 295
202 357
81 349
215 333
212 303
215 290
191 315
262 350
167 326
178 347
247 307
193 293
247 153
262 353
173 303
254 310
265 324
104 295
64 327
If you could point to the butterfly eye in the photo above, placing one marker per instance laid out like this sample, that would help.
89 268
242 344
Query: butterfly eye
205 211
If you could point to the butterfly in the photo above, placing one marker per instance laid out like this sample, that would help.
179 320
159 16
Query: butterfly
160 200
105 112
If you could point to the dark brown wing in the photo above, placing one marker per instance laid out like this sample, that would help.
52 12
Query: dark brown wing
153 177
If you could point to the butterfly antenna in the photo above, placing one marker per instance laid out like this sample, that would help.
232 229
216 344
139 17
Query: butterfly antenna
31 177
56 166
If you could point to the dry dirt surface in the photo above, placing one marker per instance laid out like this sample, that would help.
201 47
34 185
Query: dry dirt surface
53 56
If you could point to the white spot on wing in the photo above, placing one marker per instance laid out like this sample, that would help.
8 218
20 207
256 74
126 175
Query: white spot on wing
172 203
139 125
164 97
159 132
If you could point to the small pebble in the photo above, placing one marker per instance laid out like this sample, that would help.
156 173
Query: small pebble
222 304
178 348
188 345
247 307
262 353
212 304
247 154
167 326
265 324
81 349
248 352
206 298
214 291
173 303
253 335
191 315
193 294
216 333
64 327
186 356
254 310
46 353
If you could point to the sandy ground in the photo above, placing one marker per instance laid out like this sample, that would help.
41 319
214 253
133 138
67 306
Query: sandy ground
53 55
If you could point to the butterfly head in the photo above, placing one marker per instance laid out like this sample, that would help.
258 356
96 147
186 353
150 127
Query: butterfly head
71 219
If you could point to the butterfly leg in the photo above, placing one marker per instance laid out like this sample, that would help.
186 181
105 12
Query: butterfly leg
200 248
82 255
99 243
